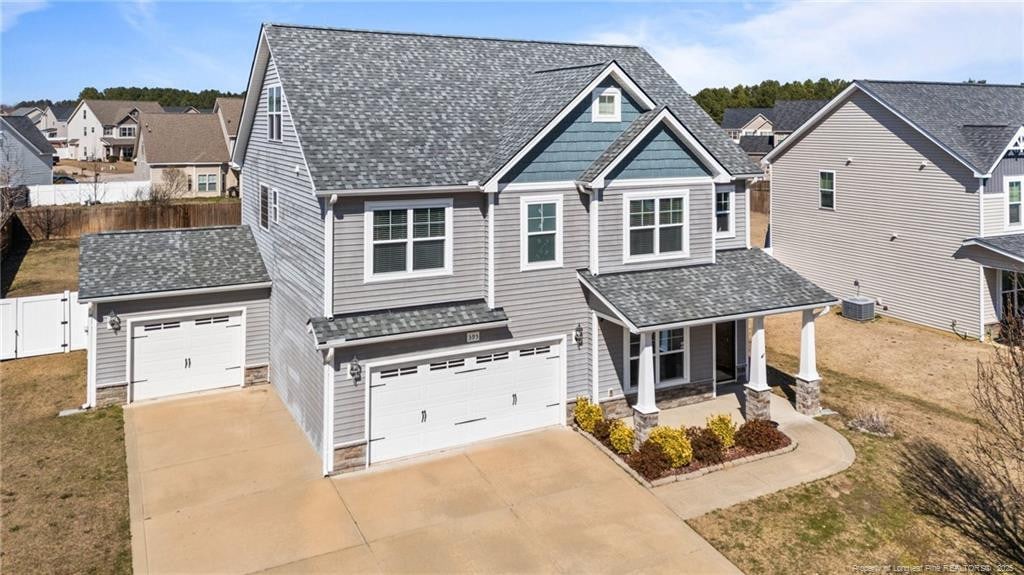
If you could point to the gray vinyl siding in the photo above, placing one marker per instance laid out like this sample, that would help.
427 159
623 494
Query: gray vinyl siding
883 191
740 223
27 167
469 253
112 347
612 365
995 196
610 242
573 144
292 250
659 155
993 293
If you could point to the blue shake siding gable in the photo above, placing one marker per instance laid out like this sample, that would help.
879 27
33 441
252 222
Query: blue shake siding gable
660 155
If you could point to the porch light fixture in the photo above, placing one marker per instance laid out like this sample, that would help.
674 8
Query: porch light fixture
577 334
114 322
355 370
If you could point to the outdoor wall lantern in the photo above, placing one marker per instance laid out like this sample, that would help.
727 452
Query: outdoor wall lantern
577 334
355 370
114 322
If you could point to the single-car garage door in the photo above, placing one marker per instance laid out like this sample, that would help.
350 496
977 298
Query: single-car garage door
452 401
182 355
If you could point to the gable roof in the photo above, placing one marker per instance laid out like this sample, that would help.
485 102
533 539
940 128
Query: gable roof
378 110
181 109
25 111
231 111
974 123
736 118
24 126
111 112
62 113
785 116
756 144
182 139
135 263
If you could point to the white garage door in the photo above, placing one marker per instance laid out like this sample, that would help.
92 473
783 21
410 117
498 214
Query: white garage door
183 355
454 401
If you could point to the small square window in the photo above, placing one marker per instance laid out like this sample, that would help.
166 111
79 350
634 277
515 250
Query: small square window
606 105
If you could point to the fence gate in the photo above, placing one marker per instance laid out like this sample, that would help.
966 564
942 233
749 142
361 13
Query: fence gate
42 324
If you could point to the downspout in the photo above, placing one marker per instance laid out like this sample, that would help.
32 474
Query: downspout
981 268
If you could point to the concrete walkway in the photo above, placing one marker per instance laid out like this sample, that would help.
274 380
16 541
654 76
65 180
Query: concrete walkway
821 452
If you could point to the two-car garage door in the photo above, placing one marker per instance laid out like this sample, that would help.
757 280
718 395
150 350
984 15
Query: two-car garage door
187 354
452 401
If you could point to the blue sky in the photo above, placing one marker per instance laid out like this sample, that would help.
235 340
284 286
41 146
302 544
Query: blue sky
52 50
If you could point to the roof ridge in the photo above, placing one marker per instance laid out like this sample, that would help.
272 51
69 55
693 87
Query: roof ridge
942 83
164 230
453 36
575 67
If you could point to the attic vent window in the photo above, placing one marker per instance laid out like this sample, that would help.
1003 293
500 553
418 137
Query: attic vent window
606 105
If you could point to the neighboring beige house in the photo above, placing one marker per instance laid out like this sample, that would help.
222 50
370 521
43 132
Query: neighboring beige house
193 143
54 125
100 129
758 130
228 112
909 193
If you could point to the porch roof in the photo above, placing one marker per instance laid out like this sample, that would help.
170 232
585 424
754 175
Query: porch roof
745 282
1009 246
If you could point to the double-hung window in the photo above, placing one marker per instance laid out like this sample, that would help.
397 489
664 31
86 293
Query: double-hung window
669 347
126 131
1012 292
207 183
407 239
274 112
540 237
827 190
1013 202
725 217
275 207
655 225
264 207
108 130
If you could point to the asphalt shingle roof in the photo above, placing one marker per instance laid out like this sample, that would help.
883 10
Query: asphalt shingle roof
62 113
110 112
140 262
974 120
377 109
231 110
785 116
756 144
736 118
28 130
182 139
408 320
1012 243
740 282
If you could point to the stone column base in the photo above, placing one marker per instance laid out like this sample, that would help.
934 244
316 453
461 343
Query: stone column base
808 396
112 395
257 375
642 425
351 458
758 404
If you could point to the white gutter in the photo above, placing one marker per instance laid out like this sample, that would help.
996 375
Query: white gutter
176 293
336 343
470 187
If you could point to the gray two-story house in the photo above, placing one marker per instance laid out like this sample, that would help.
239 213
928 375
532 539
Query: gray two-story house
458 238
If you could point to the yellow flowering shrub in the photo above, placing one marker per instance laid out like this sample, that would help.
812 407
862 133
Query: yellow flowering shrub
587 414
723 426
674 443
621 437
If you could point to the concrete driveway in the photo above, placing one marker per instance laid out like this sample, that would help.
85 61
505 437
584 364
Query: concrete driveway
226 482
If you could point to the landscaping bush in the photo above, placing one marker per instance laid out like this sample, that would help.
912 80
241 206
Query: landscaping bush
587 414
603 428
723 426
650 461
872 421
692 432
760 436
674 443
707 446
621 437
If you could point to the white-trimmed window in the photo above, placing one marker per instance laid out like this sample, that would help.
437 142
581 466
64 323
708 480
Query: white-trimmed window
725 213
1011 292
274 113
275 207
1014 217
126 132
656 225
606 105
827 190
670 357
540 232
108 130
264 207
407 239
207 183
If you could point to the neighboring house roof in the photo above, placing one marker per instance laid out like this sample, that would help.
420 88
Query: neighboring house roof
111 112
23 125
375 110
62 113
740 282
181 109
788 115
25 111
114 264
182 139
231 110
736 118
756 144
399 322
112 141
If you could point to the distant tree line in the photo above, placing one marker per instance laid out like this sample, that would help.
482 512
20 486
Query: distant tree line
763 95
166 97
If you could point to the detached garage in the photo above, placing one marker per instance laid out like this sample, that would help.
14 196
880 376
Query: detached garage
173 312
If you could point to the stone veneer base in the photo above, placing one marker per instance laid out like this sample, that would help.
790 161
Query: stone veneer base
112 395
808 396
349 459
758 404
257 375
665 399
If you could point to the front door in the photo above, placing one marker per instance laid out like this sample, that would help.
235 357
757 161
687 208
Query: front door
725 352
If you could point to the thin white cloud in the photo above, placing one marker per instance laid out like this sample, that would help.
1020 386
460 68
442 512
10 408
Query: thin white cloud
140 15
796 41
10 12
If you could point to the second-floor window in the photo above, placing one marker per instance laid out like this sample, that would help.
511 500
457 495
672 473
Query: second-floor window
606 105
126 132
108 131
724 213
827 190
264 207
1013 201
656 225
540 232
274 112
408 239
85 131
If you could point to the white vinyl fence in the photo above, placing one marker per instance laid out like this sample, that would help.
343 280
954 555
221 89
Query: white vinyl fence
87 193
42 324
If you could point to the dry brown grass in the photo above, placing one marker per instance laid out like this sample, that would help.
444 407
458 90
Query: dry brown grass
43 267
79 168
758 228
65 483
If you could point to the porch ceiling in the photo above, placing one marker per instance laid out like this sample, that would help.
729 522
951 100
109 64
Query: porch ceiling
740 283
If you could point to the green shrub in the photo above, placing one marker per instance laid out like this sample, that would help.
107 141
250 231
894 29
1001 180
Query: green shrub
587 414
723 426
603 428
621 437
707 446
674 443
650 461
760 436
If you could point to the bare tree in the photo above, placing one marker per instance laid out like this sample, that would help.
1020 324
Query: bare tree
46 222
173 186
13 195
95 192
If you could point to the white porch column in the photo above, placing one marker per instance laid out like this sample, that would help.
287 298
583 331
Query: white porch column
757 393
808 361
645 410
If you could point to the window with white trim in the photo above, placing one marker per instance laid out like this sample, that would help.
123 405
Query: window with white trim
1012 293
827 190
126 131
108 130
1013 201
275 207
656 225
207 182
264 207
606 105
724 213
414 238
540 232
274 113
669 348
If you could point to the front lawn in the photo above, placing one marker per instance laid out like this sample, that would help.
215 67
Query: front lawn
40 267
65 482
